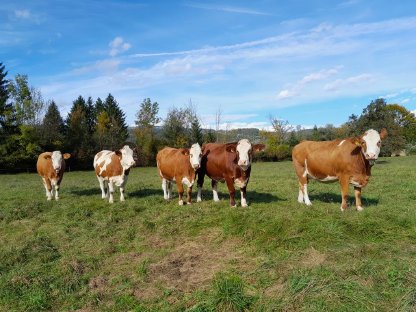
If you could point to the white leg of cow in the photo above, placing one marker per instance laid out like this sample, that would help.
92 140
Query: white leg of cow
165 189
102 187
122 186
56 192
243 199
305 195
111 191
300 196
214 191
199 197
48 192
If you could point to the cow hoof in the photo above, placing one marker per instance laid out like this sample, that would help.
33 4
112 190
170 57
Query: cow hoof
122 199
189 203
233 206
308 203
198 200
359 208
244 206
49 198
181 203
216 199
111 201
56 198
342 209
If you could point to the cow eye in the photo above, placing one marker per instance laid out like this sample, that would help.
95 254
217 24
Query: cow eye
192 155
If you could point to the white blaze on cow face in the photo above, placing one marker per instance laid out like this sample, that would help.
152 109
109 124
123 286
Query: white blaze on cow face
127 159
195 155
56 161
371 144
244 153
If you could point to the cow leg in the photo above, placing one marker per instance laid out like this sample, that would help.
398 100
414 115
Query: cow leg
165 188
169 184
122 187
243 192
303 181
102 186
304 190
200 183
344 192
180 190
48 188
358 204
231 190
214 190
56 190
188 195
111 191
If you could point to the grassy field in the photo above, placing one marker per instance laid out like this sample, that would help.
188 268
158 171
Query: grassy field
145 254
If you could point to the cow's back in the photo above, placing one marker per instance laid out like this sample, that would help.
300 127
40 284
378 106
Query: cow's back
326 158
44 165
171 161
107 164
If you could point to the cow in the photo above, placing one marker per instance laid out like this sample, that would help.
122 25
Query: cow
348 161
229 162
113 167
178 165
51 167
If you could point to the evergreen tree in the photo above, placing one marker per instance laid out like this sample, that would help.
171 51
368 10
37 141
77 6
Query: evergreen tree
7 113
196 131
210 136
175 129
53 129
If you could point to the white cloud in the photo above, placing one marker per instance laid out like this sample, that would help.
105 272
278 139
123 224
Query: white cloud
24 14
118 46
405 101
295 89
348 82
228 9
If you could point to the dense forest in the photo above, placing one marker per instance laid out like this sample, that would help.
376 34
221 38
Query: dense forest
29 124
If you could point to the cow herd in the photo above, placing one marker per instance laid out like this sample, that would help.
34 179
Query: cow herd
348 161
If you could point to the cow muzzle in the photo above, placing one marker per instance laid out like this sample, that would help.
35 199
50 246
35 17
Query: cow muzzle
196 166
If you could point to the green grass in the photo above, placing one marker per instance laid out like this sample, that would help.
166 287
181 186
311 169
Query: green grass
145 254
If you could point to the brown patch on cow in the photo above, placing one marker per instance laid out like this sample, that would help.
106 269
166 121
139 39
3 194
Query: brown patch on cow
312 258
194 262
112 169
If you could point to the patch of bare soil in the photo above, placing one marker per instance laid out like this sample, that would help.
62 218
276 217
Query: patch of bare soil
312 258
194 262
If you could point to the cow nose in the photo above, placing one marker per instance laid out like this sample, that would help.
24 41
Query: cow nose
196 166
371 156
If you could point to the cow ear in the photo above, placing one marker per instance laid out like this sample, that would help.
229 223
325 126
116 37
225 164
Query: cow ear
185 151
119 154
47 156
259 147
383 133
67 155
230 148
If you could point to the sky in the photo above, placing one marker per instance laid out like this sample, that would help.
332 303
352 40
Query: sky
307 62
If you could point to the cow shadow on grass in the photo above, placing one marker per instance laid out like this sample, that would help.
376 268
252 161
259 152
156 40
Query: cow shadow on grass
252 196
336 198
144 192
85 191
382 162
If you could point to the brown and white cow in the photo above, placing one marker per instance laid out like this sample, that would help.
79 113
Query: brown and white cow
178 165
348 161
51 167
230 162
113 168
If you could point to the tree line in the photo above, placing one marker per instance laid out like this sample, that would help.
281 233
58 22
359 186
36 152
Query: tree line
30 125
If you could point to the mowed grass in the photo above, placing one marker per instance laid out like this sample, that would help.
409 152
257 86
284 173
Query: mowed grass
146 254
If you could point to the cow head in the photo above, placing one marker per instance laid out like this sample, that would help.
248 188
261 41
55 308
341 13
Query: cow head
195 155
126 157
57 159
244 150
370 143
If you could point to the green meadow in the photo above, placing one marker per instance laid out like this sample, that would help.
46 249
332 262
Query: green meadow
145 254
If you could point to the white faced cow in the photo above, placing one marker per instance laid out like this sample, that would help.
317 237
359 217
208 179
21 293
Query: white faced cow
348 161
113 168
178 165
230 162
51 167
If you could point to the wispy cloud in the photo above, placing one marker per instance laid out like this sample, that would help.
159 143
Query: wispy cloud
228 9
295 88
117 46
348 82
24 14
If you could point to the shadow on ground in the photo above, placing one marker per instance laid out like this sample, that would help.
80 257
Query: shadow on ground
336 198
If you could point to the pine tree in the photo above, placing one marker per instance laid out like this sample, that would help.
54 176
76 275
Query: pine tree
7 112
52 129
196 131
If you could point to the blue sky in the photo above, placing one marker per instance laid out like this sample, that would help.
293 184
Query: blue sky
308 62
